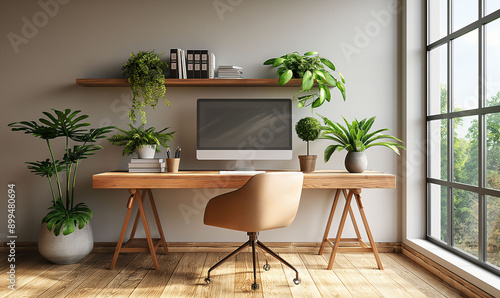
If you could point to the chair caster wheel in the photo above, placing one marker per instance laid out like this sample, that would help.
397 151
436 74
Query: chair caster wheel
267 267
207 280
255 286
296 281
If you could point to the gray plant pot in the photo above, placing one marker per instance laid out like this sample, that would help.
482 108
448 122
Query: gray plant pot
67 249
356 162
146 151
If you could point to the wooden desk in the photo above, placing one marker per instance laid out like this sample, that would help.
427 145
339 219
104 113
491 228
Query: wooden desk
348 184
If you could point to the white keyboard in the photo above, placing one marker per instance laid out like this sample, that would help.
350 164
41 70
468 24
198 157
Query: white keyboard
241 172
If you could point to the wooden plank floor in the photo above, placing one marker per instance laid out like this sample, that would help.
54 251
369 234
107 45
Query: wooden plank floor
182 275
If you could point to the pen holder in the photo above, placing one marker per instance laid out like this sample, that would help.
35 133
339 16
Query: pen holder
173 165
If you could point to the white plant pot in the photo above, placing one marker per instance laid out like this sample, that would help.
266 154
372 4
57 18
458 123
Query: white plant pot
146 151
65 249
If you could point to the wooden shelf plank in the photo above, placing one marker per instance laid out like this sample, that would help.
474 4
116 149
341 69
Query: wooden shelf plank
193 82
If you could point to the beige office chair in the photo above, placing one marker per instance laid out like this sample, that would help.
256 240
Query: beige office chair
267 201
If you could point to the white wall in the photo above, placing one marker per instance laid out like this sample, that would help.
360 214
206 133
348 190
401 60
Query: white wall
92 39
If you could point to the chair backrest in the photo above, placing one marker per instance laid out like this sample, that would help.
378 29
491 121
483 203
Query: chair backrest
267 201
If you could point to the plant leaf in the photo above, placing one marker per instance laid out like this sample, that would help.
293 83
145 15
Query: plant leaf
269 61
329 79
69 226
278 61
328 63
342 78
285 77
307 81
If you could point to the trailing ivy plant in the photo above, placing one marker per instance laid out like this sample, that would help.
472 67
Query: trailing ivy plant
310 67
146 75
64 214
137 137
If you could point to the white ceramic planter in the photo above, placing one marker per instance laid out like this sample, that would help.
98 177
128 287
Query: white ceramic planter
65 249
146 151
356 162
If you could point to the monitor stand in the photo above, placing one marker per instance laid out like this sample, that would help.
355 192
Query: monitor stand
244 165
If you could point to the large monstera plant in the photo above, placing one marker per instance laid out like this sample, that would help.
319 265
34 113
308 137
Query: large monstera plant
80 143
311 68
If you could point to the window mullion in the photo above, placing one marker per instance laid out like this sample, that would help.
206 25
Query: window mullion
482 237
450 139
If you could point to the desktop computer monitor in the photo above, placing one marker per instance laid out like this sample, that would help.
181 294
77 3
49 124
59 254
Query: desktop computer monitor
244 130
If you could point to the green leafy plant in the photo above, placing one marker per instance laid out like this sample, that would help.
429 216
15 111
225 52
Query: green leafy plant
308 129
137 137
355 136
68 125
310 67
145 73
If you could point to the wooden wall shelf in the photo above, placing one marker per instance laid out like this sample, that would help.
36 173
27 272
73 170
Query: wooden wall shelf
193 82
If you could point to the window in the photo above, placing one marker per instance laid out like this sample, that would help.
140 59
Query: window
463 129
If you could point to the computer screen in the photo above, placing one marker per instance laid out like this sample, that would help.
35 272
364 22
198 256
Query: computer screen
244 129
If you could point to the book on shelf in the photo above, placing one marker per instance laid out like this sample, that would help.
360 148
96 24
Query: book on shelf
190 64
211 65
183 70
174 73
197 64
230 67
204 64
229 72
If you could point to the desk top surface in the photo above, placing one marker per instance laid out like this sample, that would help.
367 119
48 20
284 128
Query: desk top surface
322 179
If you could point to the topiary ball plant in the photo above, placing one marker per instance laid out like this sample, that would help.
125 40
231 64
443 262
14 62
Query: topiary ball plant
308 129
146 75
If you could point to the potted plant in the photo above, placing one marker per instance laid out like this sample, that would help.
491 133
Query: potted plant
355 137
310 67
144 142
146 75
73 220
308 129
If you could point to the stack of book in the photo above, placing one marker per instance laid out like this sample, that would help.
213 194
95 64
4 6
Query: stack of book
192 64
145 165
229 72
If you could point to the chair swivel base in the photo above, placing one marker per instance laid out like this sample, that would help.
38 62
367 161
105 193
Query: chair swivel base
254 242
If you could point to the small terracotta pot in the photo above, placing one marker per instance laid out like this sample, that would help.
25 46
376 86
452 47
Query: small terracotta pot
307 163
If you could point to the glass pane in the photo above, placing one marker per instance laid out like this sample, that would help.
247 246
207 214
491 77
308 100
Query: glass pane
465 72
438 19
465 221
492 5
493 150
438 77
493 230
437 152
492 62
464 13
438 211
465 150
